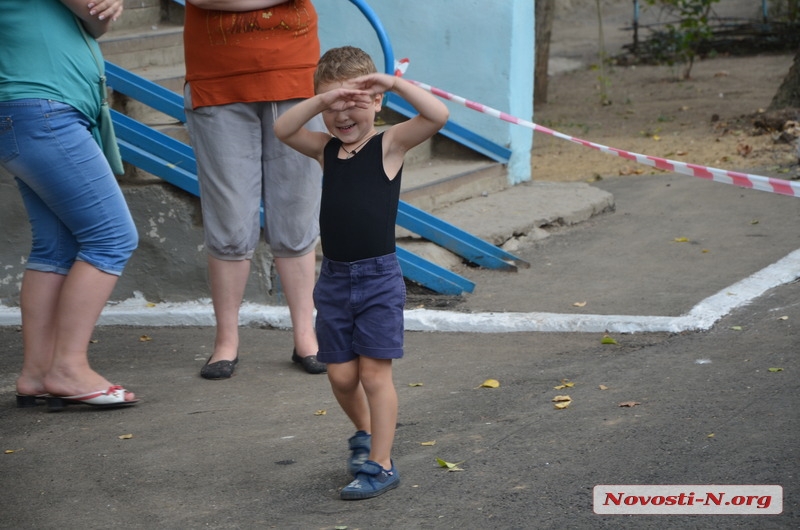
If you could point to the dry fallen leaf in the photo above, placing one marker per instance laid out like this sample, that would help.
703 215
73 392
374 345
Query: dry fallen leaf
784 317
562 405
681 240
710 435
579 304
775 370
629 404
565 383
125 436
561 398
150 304
415 384
603 387
428 444
490 383
744 149
607 340
144 338
448 465
320 412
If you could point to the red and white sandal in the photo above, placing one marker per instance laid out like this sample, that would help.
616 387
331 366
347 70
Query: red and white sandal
112 398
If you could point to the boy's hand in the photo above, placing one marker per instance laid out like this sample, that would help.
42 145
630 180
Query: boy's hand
375 83
345 98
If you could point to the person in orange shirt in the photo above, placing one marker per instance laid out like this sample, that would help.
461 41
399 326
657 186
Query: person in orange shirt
247 62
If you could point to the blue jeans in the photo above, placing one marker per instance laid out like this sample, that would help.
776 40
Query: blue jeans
75 206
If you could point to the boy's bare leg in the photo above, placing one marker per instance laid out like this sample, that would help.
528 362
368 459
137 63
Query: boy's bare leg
347 389
228 280
376 377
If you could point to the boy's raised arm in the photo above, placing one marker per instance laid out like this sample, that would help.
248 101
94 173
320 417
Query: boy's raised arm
433 113
289 128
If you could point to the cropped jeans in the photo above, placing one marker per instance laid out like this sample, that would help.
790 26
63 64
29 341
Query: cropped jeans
74 203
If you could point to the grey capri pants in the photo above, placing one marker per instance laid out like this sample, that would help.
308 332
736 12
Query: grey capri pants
241 163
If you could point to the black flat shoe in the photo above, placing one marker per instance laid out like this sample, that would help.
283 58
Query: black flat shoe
219 369
310 363
30 400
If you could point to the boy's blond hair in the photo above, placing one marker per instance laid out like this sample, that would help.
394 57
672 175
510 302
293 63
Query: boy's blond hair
342 64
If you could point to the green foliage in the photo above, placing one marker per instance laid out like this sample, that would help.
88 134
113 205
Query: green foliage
678 42
603 79
788 10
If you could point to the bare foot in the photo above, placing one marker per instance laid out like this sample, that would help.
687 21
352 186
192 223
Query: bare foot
30 385
78 382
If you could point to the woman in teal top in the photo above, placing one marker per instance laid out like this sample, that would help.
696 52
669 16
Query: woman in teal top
82 230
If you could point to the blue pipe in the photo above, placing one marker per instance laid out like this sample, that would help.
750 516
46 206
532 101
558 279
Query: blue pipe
388 54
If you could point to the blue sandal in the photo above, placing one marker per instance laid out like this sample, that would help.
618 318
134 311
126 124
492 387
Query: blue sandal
371 480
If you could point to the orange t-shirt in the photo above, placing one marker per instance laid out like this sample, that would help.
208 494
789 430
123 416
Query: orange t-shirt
262 55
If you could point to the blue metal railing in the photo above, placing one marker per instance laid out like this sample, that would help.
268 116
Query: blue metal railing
174 161
451 129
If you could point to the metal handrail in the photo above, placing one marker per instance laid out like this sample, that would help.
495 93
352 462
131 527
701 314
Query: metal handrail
452 130
174 162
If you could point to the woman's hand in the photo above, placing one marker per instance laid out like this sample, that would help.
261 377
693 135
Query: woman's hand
96 15
105 9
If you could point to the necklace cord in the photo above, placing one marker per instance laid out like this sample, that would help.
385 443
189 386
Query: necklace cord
350 154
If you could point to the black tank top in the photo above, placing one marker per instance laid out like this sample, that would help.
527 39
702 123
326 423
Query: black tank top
359 203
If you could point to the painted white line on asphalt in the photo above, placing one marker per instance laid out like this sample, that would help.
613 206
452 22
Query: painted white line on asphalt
138 312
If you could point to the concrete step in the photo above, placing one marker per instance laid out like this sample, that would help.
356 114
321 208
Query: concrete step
139 14
440 181
510 217
157 44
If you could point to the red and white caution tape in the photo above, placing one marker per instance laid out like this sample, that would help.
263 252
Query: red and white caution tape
745 180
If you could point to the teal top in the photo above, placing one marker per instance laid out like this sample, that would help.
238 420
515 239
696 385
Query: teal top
43 55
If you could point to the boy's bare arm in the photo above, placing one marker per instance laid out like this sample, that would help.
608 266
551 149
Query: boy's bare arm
289 127
433 114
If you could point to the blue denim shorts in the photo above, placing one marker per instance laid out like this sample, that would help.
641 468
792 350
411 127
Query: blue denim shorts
360 309
74 203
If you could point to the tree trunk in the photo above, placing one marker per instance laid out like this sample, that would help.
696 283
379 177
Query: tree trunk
544 28
788 94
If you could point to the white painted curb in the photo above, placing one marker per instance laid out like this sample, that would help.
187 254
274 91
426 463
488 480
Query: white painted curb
138 312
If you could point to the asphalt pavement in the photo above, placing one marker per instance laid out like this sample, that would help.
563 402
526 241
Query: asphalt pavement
710 405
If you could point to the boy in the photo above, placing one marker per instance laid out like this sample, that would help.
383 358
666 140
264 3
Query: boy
360 293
